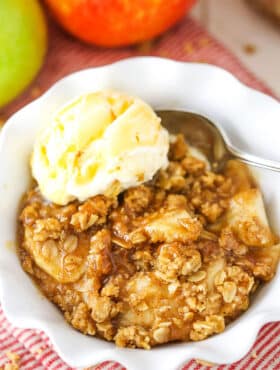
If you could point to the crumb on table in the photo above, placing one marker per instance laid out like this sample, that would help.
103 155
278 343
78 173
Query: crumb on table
13 364
35 92
204 41
250 49
188 47
204 363
145 47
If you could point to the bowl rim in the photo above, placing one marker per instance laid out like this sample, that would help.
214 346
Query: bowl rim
178 353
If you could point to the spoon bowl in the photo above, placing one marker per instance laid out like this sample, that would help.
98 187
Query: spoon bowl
210 140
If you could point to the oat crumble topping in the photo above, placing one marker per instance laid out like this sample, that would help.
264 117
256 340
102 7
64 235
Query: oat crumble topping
175 259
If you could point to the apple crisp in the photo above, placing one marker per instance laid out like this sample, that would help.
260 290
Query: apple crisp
174 259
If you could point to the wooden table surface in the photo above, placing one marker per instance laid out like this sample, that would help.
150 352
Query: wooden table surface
252 37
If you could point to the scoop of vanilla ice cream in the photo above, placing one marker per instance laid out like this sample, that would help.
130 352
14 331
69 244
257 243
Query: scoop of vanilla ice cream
100 143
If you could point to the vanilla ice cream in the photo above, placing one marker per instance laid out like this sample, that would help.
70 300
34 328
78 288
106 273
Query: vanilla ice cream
100 143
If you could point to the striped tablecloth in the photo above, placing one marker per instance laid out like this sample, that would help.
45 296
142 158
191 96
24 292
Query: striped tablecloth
186 42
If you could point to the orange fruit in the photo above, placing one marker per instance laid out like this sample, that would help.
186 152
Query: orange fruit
117 22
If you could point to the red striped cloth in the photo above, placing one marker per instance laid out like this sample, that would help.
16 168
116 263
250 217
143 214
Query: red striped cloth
186 42
36 352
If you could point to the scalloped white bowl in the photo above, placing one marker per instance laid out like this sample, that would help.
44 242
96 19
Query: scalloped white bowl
247 116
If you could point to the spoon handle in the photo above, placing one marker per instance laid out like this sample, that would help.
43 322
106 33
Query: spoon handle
254 160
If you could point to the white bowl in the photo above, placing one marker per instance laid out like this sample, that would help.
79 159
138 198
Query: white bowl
250 119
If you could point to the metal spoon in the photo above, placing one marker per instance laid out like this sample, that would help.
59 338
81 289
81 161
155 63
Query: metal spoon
213 142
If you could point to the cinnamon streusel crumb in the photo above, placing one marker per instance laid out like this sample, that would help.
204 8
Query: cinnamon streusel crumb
174 259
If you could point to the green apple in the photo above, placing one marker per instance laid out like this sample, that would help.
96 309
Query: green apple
23 44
